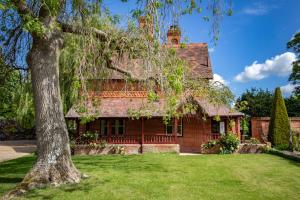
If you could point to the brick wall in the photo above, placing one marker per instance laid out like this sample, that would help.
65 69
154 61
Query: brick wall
260 127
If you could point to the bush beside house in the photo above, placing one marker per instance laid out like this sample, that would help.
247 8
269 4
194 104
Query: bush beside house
227 144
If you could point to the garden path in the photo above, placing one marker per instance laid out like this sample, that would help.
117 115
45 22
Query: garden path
15 149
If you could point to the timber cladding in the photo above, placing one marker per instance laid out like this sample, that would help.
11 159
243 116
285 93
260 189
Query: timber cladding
194 134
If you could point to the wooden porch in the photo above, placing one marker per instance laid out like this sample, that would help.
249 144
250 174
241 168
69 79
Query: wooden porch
195 132
153 139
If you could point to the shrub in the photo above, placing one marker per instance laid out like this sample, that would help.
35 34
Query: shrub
89 136
210 144
279 127
116 149
282 147
229 143
296 140
253 141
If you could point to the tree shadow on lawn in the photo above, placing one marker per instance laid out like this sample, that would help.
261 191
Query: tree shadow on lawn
14 180
13 171
83 187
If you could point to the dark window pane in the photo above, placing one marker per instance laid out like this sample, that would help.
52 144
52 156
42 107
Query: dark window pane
215 126
169 129
113 127
104 127
121 130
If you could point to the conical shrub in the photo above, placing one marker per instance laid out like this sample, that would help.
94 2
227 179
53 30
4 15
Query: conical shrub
279 127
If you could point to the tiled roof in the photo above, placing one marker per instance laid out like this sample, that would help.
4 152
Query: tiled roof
216 110
120 107
196 55
198 59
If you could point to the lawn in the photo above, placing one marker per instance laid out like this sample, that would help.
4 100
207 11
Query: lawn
169 176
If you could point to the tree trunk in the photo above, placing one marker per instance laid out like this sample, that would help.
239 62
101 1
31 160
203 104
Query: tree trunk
54 165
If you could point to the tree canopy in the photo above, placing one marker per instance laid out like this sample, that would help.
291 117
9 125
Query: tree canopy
258 103
82 21
79 39
294 44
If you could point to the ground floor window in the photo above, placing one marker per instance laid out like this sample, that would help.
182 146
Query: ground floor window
218 127
169 128
104 127
117 127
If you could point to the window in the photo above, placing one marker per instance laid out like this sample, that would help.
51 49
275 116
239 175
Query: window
169 128
104 127
117 127
218 127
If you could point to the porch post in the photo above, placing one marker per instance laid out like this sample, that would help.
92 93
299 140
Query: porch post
175 123
109 127
142 132
77 128
143 139
237 127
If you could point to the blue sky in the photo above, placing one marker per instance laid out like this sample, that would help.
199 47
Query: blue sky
254 37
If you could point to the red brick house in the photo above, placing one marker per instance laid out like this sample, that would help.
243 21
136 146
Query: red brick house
114 123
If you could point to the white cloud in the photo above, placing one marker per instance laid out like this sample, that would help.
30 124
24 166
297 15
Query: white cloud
280 65
211 50
219 79
257 9
287 89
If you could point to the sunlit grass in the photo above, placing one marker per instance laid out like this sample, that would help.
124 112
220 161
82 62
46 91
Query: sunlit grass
169 176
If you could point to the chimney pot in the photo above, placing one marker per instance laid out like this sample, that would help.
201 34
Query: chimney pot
174 35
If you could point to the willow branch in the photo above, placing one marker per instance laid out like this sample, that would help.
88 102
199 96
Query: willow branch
67 28
21 7
115 68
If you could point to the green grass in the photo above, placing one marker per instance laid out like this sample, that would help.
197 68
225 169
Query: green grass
169 176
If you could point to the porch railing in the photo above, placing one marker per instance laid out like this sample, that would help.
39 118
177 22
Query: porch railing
129 139
207 137
126 139
159 139
148 139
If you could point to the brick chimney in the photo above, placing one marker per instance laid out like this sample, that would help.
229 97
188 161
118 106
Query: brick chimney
146 25
174 35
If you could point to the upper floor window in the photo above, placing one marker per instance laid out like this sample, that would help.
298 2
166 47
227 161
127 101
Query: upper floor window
169 128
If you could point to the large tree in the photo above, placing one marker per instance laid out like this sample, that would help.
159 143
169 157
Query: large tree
294 44
258 102
33 33
293 105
